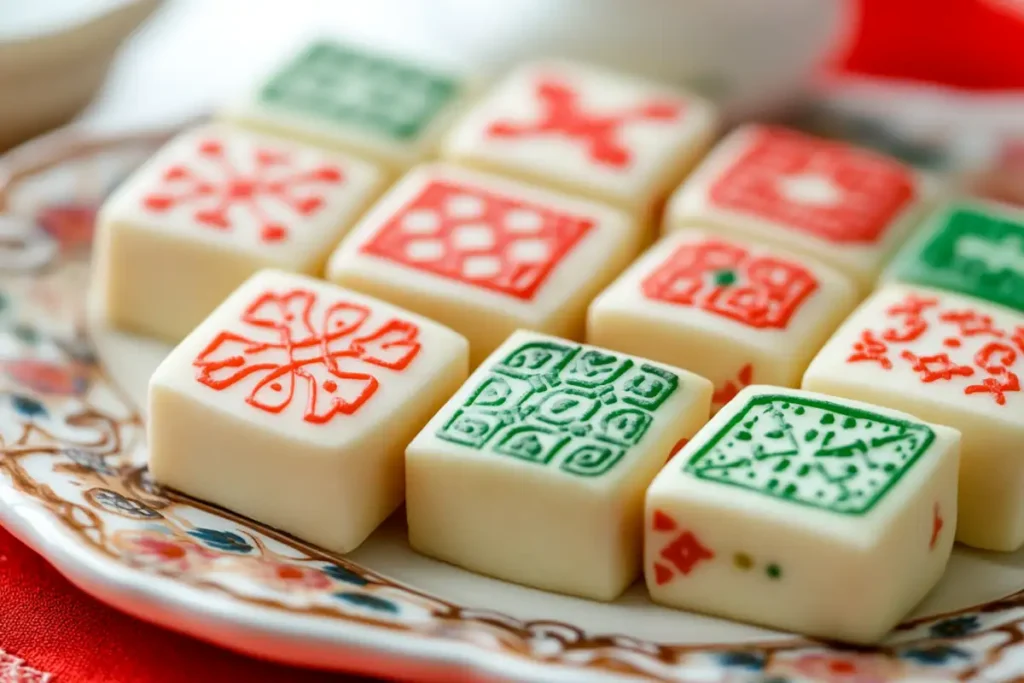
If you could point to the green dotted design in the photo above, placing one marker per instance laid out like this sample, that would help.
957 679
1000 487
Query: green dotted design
951 257
347 87
552 403
811 452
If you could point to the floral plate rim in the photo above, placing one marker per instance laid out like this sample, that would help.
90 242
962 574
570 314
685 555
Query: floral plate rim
474 643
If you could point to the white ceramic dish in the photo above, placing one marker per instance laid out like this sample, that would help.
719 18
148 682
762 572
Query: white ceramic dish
73 487
54 55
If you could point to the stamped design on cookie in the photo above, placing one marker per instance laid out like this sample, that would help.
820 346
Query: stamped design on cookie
974 252
340 85
235 185
812 452
974 353
562 405
479 238
563 114
291 345
726 279
827 189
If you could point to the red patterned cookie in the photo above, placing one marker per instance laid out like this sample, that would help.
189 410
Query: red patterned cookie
848 206
951 359
729 309
212 207
485 255
292 403
605 135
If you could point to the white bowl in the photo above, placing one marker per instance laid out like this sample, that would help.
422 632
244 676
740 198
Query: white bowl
749 54
54 55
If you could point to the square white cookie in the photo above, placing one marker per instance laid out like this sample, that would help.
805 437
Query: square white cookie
847 206
292 403
485 255
351 98
211 208
586 130
804 512
535 471
952 360
728 309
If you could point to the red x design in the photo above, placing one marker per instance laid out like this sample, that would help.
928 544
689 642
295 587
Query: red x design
563 115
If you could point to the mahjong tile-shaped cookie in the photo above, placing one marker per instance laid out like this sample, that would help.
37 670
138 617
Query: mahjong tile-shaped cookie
848 206
952 360
214 206
535 471
485 255
730 310
605 135
346 97
804 512
970 247
293 402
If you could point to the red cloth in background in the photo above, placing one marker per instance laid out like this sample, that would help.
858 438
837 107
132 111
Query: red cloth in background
57 629
970 44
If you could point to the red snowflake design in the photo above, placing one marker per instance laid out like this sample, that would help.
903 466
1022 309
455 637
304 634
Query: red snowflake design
972 345
857 193
681 555
479 238
563 115
222 193
726 279
290 352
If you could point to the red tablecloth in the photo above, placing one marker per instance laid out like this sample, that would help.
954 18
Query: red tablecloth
47 626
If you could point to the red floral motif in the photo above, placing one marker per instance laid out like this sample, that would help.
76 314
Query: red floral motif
288 577
479 238
223 192
726 279
163 550
870 348
971 344
326 356
563 115
839 668
828 189
48 378
728 390
72 225
682 554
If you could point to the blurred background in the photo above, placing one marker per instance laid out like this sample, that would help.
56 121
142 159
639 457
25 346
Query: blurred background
940 84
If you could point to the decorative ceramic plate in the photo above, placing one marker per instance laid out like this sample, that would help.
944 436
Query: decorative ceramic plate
74 486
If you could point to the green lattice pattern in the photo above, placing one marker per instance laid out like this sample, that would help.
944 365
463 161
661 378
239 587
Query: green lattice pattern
971 251
341 85
812 452
564 405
